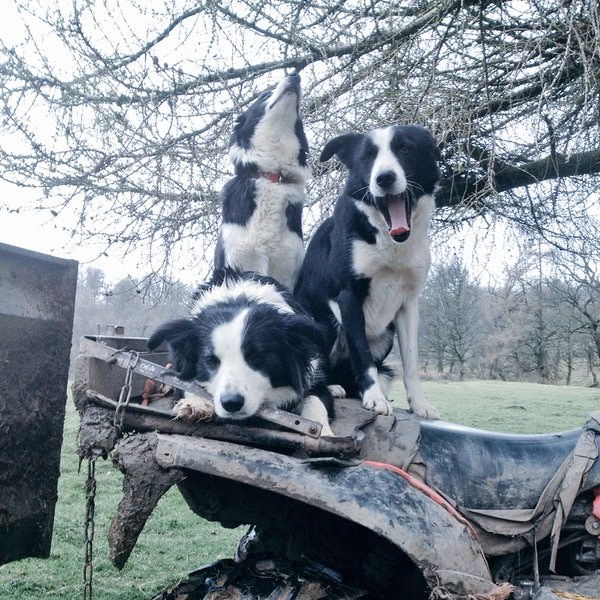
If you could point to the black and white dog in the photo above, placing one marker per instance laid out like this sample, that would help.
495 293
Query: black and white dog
262 205
248 343
365 265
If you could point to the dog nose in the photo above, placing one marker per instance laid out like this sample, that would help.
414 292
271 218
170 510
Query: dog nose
232 402
386 179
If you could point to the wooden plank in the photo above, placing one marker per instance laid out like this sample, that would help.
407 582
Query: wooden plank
144 418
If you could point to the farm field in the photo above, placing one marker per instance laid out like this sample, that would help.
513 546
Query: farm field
175 541
508 406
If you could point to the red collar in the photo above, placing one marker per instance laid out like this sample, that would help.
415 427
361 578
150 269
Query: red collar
273 177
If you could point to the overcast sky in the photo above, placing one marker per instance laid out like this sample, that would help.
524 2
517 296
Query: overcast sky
43 232
40 230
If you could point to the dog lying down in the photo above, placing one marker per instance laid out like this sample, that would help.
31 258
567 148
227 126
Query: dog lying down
249 344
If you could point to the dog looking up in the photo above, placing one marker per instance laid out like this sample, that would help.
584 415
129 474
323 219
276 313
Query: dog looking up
248 343
366 265
262 205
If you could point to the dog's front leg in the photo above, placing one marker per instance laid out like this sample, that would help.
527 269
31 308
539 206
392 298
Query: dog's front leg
312 408
407 325
366 373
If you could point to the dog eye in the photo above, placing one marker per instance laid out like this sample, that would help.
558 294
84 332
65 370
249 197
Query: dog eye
212 361
369 153
400 147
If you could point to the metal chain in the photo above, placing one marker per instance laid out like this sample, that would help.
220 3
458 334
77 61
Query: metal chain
90 484
125 393
90 506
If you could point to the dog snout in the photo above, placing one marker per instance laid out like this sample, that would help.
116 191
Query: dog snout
232 402
385 179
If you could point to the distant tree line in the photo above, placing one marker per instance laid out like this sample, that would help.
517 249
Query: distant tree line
137 305
541 324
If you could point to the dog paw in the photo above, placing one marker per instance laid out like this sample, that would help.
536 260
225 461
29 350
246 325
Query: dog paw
337 391
376 402
314 409
194 408
422 408
327 431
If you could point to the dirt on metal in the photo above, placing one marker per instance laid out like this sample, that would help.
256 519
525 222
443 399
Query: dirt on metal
37 295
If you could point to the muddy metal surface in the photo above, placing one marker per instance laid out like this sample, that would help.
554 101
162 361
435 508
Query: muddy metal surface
37 297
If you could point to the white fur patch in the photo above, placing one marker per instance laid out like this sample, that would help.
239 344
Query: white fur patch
337 391
335 309
385 161
194 408
374 397
312 408
254 291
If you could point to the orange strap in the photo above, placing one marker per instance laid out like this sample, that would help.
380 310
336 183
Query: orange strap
596 504
419 485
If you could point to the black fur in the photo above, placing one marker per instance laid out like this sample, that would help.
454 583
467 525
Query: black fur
237 197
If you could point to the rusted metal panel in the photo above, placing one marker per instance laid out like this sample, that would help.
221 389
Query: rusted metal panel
440 545
37 299
143 418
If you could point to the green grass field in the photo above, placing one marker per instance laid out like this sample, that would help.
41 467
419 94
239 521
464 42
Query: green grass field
175 541
509 407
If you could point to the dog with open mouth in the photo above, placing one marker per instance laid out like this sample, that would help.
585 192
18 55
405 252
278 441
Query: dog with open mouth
262 204
366 265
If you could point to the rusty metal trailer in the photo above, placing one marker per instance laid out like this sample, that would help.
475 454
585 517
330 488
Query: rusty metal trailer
37 298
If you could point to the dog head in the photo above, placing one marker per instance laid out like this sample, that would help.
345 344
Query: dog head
389 168
269 136
245 345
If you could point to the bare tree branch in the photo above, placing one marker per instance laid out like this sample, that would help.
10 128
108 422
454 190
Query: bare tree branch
130 112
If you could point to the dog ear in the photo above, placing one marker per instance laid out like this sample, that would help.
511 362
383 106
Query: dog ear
343 147
305 340
184 343
306 333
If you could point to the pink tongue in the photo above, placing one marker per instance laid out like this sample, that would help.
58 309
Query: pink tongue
397 211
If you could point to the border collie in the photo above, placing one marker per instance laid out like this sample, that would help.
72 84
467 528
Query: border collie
262 205
366 265
248 342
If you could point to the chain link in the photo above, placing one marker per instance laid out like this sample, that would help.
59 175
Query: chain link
90 484
90 506
125 393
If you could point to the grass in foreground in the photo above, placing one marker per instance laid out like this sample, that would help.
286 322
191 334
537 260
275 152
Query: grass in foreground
175 541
